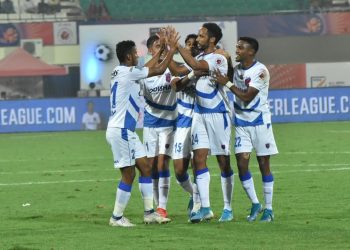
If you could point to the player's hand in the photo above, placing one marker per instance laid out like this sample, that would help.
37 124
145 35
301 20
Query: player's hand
162 36
173 40
220 78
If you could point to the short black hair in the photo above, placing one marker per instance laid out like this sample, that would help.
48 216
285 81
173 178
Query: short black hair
151 40
213 31
124 48
191 36
253 43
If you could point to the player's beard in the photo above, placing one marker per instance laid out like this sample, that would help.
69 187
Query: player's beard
203 47
238 58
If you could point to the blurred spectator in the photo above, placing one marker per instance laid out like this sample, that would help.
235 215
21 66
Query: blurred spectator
315 6
3 95
103 11
98 11
28 6
7 7
55 6
92 11
91 119
43 8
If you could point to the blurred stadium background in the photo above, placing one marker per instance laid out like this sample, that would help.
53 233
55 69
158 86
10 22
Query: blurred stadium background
71 43
57 189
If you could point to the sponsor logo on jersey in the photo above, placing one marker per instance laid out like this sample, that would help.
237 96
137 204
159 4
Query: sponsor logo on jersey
164 88
114 73
168 77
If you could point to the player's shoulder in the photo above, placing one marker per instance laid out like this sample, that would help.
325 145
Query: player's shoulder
259 66
217 59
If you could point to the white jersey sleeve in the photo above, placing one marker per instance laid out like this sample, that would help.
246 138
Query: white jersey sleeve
137 73
260 78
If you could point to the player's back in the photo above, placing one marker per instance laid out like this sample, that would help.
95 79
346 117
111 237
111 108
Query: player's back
210 96
256 112
160 98
125 94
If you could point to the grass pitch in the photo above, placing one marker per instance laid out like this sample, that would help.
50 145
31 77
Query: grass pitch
57 191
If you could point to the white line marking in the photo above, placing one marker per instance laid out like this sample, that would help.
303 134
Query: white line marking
57 171
54 159
320 152
214 175
53 182
108 158
111 169
338 131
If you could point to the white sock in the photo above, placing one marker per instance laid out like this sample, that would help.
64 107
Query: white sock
163 187
203 180
196 198
155 182
186 183
248 185
146 189
268 190
227 189
122 198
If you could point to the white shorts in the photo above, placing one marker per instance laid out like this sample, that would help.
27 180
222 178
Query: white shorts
182 143
212 131
259 138
158 141
126 146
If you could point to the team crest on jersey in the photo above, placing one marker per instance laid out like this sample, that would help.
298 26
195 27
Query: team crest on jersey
267 145
262 75
247 81
218 61
167 145
168 77
223 146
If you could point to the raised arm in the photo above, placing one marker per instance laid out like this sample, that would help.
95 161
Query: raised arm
161 67
178 70
155 59
191 61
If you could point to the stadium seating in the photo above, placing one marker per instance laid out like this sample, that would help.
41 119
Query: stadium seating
175 9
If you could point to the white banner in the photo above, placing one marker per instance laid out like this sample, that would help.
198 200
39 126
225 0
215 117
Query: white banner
91 36
335 74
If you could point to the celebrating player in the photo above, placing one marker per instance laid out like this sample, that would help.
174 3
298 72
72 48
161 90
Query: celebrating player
210 126
252 122
128 151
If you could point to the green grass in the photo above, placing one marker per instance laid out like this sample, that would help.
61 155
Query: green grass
69 181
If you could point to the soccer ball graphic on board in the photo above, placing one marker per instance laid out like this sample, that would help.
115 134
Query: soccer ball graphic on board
103 52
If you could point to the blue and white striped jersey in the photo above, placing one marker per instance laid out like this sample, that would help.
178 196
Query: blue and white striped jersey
257 111
160 98
211 97
125 94
185 105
